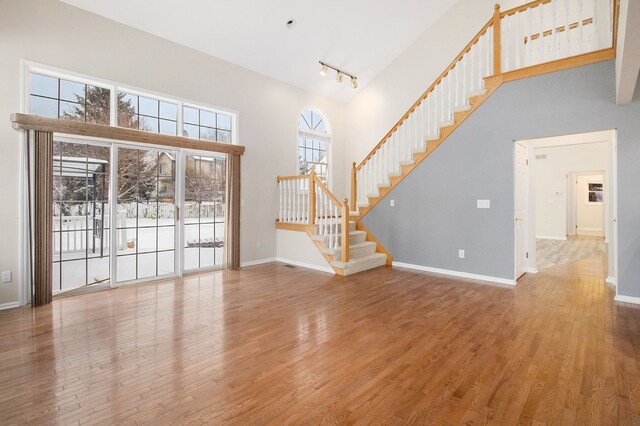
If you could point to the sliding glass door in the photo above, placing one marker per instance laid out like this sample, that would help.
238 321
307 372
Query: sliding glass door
139 193
81 249
146 213
204 211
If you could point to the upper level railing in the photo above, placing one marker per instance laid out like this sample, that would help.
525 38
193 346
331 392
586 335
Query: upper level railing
305 200
532 34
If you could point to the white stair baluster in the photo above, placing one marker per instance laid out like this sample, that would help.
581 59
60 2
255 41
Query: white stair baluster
567 38
506 24
581 48
541 35
465 70
280 201
595 23
516 16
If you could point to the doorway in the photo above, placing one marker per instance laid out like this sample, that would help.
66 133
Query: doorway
570 193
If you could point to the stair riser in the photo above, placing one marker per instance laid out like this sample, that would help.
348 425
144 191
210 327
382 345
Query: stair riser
356 252
353 239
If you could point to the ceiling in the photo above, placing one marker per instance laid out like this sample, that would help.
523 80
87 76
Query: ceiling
361 37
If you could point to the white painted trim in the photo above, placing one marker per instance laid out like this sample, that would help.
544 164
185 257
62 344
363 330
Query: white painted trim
611 280
532 270
627 299
548 237
257 262
9 305
307 265
456 273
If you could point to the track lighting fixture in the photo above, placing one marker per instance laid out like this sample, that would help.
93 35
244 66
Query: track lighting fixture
339 74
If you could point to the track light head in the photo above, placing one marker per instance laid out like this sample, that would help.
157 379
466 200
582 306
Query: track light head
324 69
339 77
354 82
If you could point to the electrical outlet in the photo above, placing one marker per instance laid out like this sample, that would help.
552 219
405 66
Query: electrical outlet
461 254
392 203
6 276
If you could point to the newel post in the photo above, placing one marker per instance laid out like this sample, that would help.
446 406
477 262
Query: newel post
312 196
497 52
345 230
354 185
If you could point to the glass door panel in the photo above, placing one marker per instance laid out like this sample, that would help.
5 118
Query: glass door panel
80 215
146 214
204 211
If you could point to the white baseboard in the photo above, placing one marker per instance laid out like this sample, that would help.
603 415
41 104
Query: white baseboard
455 273
306 265
9 305
548 237
611 280
532 270
257 262
627 299
590 232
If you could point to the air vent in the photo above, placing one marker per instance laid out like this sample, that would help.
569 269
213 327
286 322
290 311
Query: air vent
541 156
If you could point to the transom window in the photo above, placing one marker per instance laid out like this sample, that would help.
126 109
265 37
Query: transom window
74 98
59 98
204 124
143 113
313 144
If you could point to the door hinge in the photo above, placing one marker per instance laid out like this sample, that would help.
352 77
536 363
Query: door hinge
527 255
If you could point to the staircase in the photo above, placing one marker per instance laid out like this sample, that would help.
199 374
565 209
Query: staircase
536 38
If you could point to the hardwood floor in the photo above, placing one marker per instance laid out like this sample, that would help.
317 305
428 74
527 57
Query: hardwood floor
281 345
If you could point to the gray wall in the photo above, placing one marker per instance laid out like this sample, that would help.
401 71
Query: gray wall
435 212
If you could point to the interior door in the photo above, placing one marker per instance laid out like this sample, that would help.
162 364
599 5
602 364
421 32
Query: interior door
145 214
520 210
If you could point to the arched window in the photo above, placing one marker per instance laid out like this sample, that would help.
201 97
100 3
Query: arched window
313 144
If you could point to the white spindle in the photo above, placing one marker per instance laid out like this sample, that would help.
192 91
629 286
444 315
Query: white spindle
517 42
567 38
554 24
581 48
541 35
506 29
596 21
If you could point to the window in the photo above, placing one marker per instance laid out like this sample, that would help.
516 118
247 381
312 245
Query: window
208 125
313 144
595 193
143 113
59 98
55 95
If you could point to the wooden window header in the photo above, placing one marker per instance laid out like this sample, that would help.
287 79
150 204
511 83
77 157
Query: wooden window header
69 127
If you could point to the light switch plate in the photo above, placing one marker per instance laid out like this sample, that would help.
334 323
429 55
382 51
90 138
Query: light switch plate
6 276
392 203
461 254
484 204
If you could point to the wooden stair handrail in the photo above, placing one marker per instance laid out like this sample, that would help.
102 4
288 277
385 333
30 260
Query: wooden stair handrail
523 7
457 59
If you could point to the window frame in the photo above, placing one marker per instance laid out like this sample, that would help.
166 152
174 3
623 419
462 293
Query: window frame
115 87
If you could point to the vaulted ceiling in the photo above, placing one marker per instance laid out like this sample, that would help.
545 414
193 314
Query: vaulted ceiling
361 37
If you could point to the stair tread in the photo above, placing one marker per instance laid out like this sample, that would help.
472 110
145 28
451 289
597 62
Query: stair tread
462 108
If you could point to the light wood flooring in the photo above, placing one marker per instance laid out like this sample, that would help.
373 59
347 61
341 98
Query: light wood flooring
279 345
